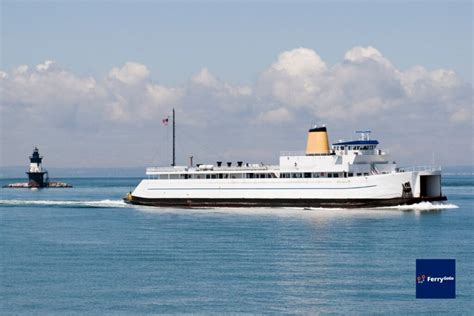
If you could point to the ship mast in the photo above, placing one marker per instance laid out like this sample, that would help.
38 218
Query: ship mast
174 141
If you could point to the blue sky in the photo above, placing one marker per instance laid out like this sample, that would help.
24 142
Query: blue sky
91 81
235 40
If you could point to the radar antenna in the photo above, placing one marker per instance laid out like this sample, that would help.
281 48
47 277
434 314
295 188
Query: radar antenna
364 135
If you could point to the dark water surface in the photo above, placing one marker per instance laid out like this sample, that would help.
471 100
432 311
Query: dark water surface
83 251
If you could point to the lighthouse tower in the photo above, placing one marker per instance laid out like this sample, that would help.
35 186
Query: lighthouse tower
36 172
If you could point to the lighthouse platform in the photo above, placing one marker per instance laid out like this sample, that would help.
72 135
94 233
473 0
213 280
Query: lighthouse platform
37 176
52 184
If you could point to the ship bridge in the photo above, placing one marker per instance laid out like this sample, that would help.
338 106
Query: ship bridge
363 146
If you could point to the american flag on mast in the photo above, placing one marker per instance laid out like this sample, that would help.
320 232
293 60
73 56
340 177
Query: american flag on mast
165 121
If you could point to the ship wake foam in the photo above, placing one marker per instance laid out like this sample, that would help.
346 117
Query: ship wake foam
61 203
107 203
312 212
424 206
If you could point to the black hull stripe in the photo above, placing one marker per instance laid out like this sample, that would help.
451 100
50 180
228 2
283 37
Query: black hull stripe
326 203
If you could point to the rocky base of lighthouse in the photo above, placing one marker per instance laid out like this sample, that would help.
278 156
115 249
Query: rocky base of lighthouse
52 184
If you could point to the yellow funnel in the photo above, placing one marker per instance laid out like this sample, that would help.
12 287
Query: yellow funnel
318 143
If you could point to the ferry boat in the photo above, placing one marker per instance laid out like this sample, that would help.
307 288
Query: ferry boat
349 174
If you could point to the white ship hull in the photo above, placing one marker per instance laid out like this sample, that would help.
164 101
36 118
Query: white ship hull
373 190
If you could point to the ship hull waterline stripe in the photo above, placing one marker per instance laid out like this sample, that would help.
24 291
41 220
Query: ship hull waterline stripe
193 189
232 202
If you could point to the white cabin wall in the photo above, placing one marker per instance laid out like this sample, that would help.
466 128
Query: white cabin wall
329 163
364 187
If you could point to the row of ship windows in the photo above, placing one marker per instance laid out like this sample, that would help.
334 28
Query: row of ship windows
293 175
216 176
369 147
322 175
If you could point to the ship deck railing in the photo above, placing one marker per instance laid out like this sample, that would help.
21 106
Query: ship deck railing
333 152
292 153
302 153
166 169
419 168
184 169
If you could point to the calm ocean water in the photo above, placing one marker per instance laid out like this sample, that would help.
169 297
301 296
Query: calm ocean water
83 251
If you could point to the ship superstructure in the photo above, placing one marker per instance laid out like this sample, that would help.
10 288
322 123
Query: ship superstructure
348 174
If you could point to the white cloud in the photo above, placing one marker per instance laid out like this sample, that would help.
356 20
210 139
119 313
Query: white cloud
294 79
299 62
276 116
364 89
117 109
364 84
462 115
423 84
47 65
205 79
46 86
131 73
360 54
20 70
368 107
161 95
51 94
299 79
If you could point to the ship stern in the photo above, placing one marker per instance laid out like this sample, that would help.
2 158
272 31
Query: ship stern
428 185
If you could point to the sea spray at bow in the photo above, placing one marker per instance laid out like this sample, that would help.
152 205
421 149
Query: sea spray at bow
424 206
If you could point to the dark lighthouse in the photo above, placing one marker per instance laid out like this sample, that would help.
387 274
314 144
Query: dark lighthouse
37 176
36 173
